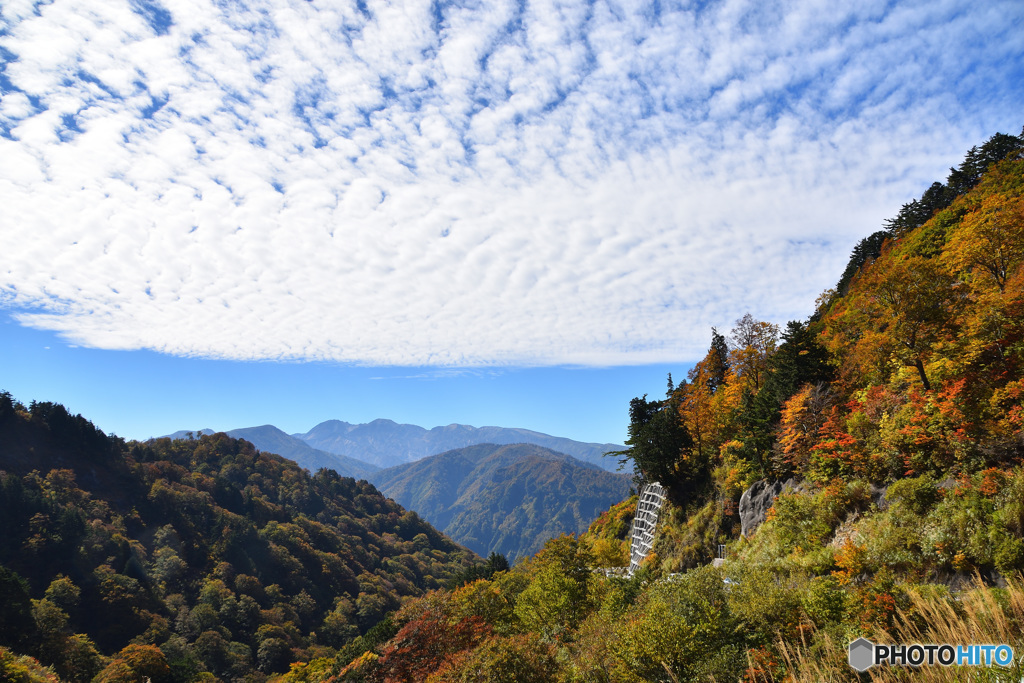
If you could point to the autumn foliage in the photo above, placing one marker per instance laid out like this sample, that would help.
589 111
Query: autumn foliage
893 413
171 560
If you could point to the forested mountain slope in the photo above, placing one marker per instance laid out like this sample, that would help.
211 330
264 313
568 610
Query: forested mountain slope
189 556
505 499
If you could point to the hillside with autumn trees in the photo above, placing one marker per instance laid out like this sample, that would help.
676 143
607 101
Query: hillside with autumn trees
890 420
191 559
892 414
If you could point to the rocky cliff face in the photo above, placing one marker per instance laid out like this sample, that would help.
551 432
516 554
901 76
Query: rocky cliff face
756 501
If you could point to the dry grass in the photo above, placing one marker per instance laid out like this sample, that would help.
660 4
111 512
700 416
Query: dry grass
978 615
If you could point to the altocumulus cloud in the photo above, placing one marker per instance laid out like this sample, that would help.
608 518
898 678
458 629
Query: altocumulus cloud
434 183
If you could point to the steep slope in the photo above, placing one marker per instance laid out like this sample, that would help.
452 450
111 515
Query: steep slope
387 443
504 498
886 438
228 559
270 439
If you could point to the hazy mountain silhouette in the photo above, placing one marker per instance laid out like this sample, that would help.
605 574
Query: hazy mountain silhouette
387 443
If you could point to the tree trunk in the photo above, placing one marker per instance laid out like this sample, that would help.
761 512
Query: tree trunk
920 370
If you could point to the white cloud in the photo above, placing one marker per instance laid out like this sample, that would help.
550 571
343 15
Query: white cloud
494 183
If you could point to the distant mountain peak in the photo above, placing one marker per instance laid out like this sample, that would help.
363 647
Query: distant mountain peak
271 439
387 443
183 433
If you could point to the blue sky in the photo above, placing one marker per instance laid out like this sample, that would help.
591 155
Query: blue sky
138 394
515 213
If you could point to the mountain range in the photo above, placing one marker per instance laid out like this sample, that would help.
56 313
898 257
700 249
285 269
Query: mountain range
490 497
386 443
356 450
270 439
508 499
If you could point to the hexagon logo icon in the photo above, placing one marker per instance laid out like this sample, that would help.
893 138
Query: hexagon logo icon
862 653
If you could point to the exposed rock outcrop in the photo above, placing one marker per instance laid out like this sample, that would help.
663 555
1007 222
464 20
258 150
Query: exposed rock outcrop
757 500
879 497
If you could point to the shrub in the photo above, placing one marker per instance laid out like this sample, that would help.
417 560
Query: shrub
502 659
682 626
917 494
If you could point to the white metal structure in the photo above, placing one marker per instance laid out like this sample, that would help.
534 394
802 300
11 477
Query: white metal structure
641 533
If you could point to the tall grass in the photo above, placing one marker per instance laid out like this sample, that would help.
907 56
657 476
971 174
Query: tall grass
977 615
